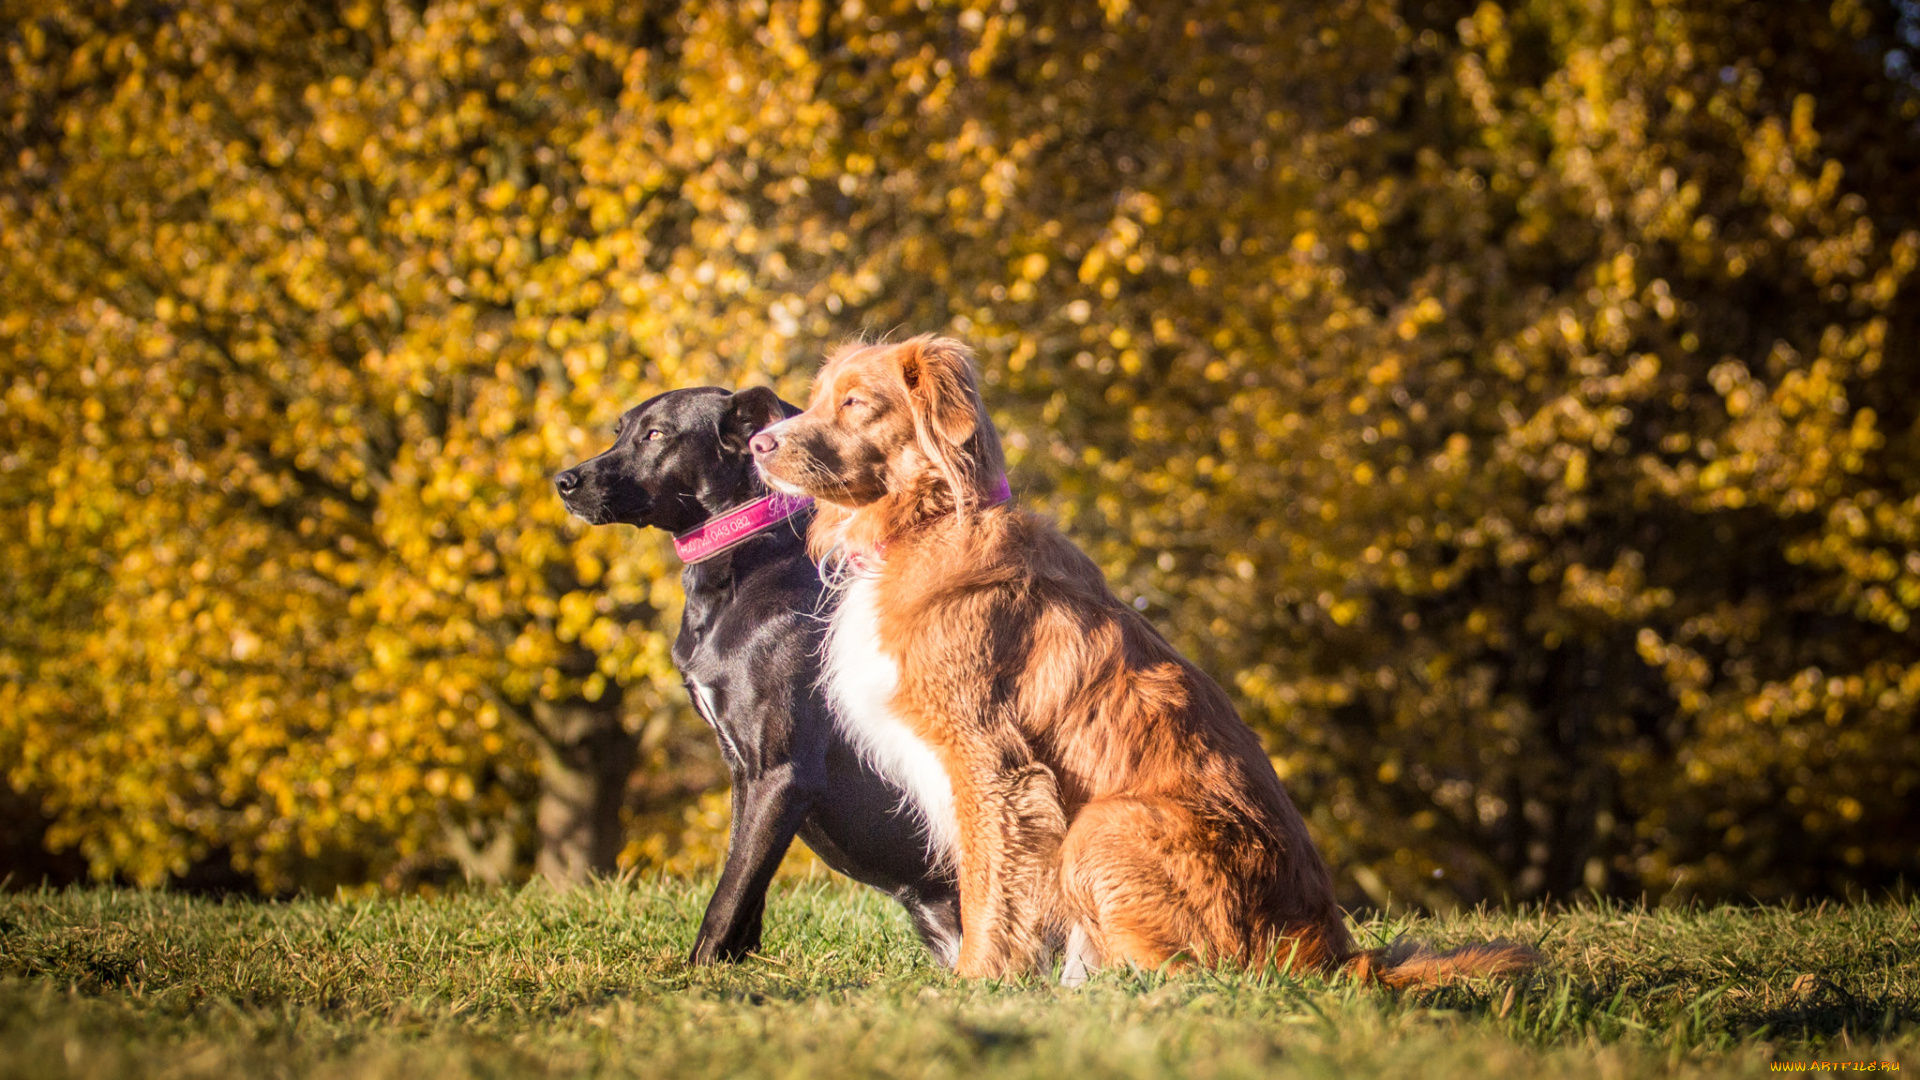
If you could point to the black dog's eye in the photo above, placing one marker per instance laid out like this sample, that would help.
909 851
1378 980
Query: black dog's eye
654 433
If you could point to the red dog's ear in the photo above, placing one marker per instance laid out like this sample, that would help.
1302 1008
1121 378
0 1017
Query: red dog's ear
939 377
950 424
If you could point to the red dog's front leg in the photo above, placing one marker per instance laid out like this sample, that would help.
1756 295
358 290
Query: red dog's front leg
1011 828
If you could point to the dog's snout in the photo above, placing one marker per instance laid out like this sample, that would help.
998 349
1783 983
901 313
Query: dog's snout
765 442
567 482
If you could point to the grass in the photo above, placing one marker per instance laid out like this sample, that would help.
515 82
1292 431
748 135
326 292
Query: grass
110 983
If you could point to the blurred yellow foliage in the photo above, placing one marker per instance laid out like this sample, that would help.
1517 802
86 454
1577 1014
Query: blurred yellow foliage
1514 403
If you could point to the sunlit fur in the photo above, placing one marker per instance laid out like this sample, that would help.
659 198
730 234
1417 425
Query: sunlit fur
1099 780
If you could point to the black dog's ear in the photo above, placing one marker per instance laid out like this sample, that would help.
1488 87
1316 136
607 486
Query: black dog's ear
749 411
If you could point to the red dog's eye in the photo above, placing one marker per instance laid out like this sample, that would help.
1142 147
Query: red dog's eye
851 402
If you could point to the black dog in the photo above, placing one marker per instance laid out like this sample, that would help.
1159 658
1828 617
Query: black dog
749 649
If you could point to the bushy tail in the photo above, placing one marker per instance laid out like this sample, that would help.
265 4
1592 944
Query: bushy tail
1407 963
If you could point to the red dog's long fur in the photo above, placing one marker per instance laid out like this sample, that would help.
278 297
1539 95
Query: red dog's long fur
1099 780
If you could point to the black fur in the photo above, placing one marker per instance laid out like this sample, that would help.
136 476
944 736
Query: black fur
748 649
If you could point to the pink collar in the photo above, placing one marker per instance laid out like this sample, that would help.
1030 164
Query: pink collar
722 533
868 561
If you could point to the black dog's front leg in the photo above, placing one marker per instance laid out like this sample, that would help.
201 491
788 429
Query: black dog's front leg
767 811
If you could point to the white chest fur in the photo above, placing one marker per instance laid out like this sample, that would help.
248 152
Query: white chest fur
861 680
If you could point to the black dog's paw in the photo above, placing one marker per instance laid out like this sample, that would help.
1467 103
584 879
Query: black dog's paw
706 952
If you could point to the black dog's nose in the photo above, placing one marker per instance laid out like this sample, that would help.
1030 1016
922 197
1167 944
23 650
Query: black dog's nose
764 443
567 481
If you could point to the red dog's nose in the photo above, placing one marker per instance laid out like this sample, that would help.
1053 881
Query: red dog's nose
764 443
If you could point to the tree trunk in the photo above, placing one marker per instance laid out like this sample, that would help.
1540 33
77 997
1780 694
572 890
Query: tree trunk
25 860
586 758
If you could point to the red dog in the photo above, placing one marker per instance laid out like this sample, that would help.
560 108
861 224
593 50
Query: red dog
1088 780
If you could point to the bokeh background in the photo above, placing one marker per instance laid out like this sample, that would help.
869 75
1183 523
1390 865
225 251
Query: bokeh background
1513 405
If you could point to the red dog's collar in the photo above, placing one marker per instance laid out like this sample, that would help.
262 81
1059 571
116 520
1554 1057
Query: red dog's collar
722 533
869 561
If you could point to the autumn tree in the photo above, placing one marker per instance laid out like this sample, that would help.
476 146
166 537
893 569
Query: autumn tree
1516 402
321 297
1513 403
